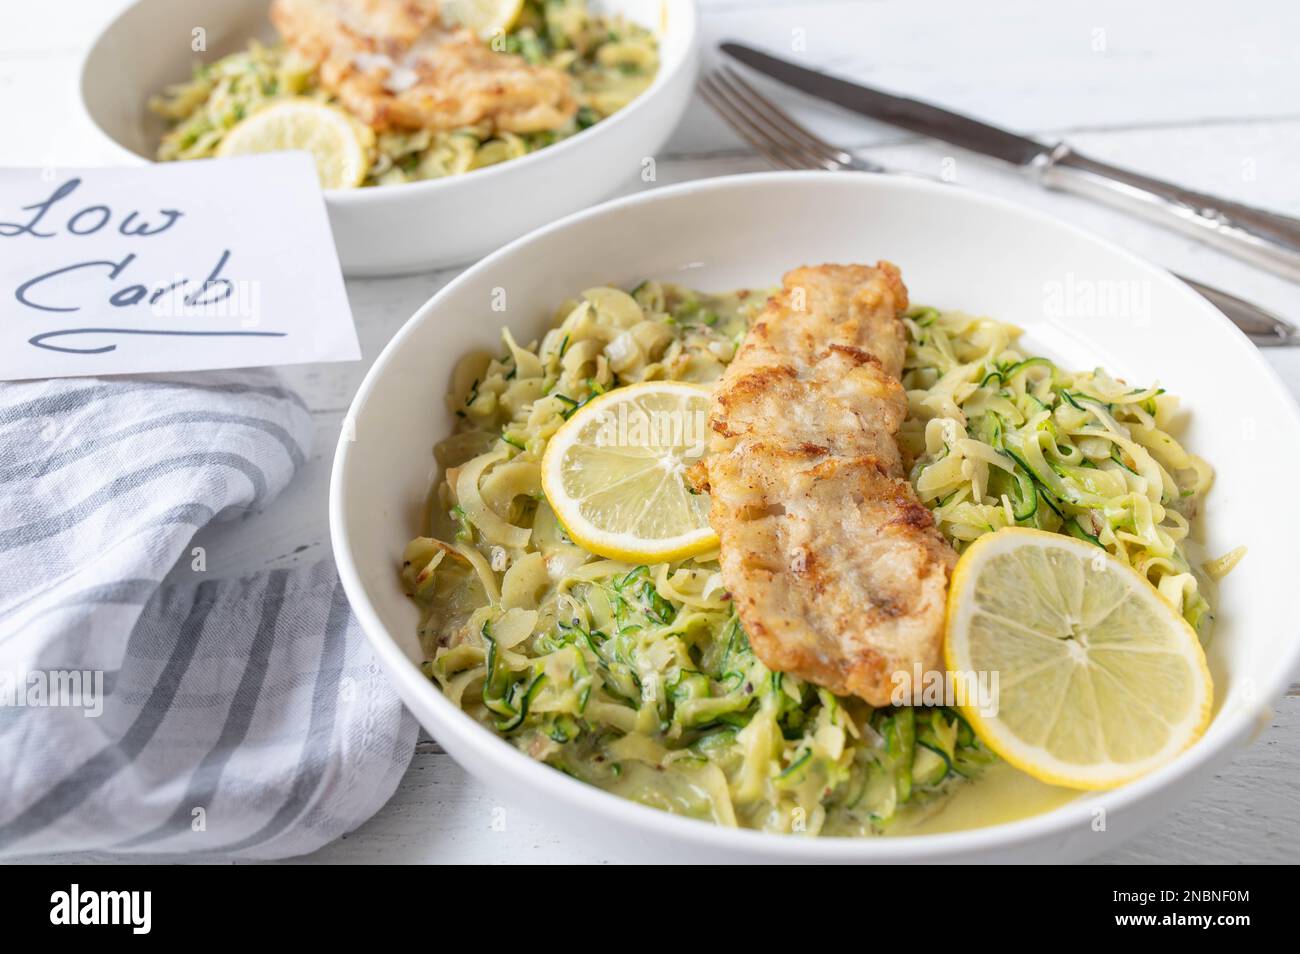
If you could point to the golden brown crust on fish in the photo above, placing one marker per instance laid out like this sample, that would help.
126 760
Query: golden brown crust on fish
394 63
837 571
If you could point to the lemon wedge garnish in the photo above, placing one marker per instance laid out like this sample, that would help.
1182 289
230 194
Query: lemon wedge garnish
486 18
1099 679
337 143
615 473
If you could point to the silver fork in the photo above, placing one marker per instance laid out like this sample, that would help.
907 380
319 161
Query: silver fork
783 141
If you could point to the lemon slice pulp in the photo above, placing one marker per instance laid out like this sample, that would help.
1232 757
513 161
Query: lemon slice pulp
1099 680
335 141
615 473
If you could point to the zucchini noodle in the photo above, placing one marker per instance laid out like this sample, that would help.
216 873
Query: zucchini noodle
998 438
640 679
610 61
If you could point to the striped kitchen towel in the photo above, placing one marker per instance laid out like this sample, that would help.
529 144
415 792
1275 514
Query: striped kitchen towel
239 718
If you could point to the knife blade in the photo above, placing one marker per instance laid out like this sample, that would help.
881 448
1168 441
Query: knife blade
919 117
1267 239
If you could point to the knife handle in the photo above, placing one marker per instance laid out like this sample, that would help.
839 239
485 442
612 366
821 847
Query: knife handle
1257 236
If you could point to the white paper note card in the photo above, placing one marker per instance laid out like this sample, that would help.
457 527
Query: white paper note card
177 266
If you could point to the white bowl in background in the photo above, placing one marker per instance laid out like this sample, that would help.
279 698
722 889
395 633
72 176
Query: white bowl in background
392 230
957 249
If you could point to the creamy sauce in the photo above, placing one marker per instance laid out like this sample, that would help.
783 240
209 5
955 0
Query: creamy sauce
1001 794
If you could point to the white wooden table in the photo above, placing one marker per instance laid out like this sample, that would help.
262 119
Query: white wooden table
1204 93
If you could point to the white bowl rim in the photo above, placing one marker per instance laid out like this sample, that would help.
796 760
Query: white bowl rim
1228 728
406 190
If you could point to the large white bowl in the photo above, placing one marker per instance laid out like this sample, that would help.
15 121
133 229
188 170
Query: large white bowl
956 249
419 225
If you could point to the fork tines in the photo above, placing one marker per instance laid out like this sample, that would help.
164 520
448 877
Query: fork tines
767 127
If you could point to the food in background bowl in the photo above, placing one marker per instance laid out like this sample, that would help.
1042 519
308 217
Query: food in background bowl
385 92
854 449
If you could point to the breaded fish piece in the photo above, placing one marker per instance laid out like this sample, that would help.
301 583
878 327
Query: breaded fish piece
394 63
837 571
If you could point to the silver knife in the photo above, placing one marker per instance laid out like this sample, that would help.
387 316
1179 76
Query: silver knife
1263 327
1262 238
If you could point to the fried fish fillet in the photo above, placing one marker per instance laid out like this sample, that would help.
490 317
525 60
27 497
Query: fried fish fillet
395 63
837 571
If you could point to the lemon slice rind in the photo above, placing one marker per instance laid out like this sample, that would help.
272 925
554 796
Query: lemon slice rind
645 485
335 141
1137 684
485 18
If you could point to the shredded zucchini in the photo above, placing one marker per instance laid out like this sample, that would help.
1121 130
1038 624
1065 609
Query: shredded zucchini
640 679
998 438
610 61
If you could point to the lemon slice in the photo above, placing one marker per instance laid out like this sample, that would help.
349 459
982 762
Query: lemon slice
334 139
486 18
1099 679
615 473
